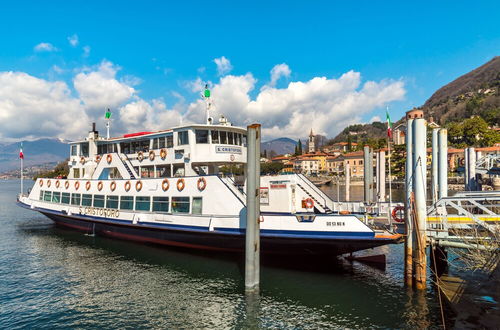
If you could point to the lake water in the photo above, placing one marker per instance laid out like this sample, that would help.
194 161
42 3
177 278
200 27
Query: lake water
56 278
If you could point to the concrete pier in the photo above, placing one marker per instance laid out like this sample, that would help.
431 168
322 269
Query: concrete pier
435 160
443 163
408 189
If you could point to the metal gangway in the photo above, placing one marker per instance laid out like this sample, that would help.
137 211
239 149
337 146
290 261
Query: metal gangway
465 217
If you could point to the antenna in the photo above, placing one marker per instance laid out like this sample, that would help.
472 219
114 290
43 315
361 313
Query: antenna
208 102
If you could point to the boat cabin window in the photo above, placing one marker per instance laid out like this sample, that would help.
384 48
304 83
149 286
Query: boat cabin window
180 204
86 200
163 142
182 138
56 197
84 149
41 195
111 202
127 202
160 204
65 198
170 141
73 150
106 148
197 205
75 199
98 200
223 137
76 173
147 172
215 136
163 171
47 196
201 136
142 203
178 170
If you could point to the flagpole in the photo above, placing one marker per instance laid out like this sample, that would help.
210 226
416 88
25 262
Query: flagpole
22 170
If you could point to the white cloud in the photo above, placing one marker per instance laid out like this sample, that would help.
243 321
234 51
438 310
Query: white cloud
45 47
33 107
86 51
57 69
326 105
223 65
278 71
99 89
140 115
73 40
374 119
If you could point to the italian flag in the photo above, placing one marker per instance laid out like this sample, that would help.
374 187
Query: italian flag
389 124
21 155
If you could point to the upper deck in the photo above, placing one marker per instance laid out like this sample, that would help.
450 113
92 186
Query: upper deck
180 151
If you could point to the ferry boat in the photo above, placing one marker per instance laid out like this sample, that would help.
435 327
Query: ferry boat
166 187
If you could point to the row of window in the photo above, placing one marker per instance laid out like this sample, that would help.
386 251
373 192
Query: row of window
160 204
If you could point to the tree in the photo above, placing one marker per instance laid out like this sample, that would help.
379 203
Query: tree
271 168
60 170
299 147
349 143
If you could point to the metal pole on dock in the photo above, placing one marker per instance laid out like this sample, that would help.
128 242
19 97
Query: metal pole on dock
419 188
472 169
370 174
381 175
435 161
443 163
408 188
347 181
466 170
252 235
366 176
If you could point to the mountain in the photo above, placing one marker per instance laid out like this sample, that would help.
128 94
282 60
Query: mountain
279 146
35 152
474 93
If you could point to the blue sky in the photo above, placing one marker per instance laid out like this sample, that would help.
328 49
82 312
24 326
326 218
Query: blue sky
161 50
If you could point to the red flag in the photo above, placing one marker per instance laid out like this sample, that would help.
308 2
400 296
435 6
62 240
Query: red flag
21 155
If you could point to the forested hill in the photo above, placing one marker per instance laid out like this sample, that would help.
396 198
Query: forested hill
476 93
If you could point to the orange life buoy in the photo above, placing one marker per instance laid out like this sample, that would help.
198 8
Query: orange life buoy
48 183
127 186
163 153
97 158
66 184
58 184
77 185
112 186
87 185
165 184
344 212
152 155
82 160
41 183
202 184
398 213
140 156
99 186
109 158
180 184
138 185
308 203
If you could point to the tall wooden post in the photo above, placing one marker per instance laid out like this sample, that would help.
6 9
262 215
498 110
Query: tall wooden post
408 189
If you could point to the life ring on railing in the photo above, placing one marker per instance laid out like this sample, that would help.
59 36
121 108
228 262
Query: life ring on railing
140 156
151 155
66 184
138 185
48 183
163 153
344 212
165 184
82 160
127 186
180 184
97 158
109 158
58 184
99 185
398 213
202 184
41 182
87 185
77 185
307 203
112 186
